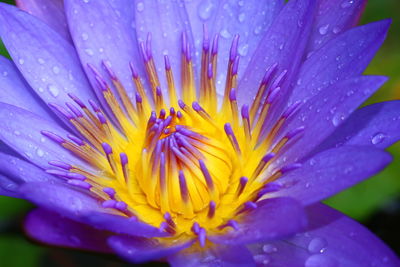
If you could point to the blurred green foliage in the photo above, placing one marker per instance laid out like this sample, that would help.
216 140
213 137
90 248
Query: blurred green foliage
359 201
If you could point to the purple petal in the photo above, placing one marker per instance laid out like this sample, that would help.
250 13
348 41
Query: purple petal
331 240
82 207
327 110
137 250
330 172
53 229
46 60
345 56
101 32
273 218
19 171
15 91
8 187
284 44
21 130
249 19
334 17
166 33
50 12
375 125
213 255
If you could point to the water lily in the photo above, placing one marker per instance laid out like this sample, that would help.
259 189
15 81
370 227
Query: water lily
194 132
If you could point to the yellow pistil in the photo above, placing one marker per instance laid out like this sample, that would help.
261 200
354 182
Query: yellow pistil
184 164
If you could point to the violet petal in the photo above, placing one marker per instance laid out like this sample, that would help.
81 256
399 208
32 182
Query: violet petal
332 239
272 219
55 69
53 229
345 56
330 172
50 12
371 125
15 91
138 250
214 255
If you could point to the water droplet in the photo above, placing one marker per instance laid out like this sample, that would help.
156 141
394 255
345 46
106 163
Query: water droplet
56 70
5 73
39 152
53 90
347 169
317 245
307 185
338 118
241 3
205 9
140 6
261 259
241 17
86 1
319 260
347 3
378 138
257 30
21 61
75 203
85 36
226 34
312 162
336 30
269 248
89 52
16 132
243 49
40 60
323 29
281 47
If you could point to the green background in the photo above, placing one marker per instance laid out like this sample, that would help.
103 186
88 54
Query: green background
374 202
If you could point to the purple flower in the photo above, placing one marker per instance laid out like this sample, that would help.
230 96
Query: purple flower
195 132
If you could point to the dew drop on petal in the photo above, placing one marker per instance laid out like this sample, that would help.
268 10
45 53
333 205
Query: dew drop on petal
140 6
269 248
347 3
378 138
53 90
243 49
16 132
89 52
205 9
5 73
338 118
319 260
84 36
56 70
21 61
257 30
261 259
39 152
225 34
323 29
336 30
40 60
241 17
317 245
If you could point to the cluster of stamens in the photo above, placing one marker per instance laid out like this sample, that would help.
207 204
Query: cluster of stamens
191 168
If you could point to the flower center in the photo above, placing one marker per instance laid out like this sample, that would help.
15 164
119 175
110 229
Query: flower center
189 166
